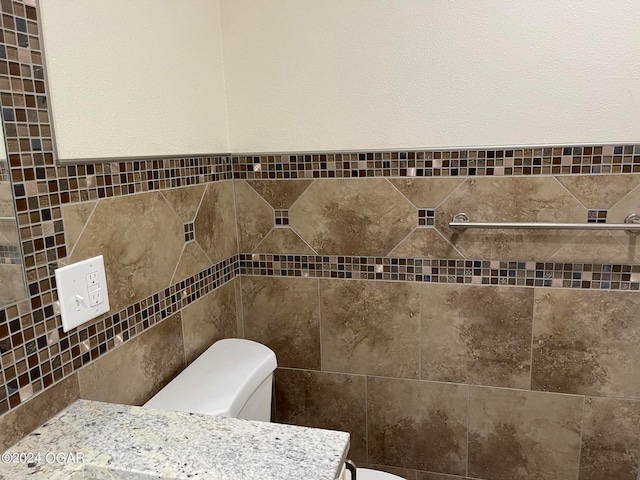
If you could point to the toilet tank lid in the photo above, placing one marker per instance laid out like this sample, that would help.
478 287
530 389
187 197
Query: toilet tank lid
220 381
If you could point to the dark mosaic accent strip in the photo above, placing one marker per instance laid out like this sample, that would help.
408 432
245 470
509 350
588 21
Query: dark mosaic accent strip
281 217
189 232
35 353
557 160
426 217
473 272
597 216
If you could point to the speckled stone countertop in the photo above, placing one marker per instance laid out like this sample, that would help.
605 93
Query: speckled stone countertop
123 442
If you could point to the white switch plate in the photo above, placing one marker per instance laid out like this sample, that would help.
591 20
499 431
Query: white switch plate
82 292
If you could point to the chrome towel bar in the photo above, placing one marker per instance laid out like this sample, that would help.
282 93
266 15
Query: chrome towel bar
631 225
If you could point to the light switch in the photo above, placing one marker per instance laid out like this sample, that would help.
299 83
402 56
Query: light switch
82 292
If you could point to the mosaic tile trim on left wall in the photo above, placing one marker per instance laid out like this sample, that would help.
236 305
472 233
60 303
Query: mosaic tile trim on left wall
34 353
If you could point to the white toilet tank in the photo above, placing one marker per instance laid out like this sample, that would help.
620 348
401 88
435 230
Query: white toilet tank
232 378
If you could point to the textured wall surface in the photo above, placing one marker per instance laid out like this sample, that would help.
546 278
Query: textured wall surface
333 75
153 91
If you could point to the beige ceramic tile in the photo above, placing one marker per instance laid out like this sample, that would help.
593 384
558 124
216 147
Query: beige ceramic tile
593 247
283 314
237 285
426 192
440 476
370 327
215 224
283 240
75 217
324 400
135 371
192 261
12 281
352 217
629 204
404 473
141 239
610 440
185 201
280 194
586 342
209 319
255 217
27 417
599 191
510 199
477 335
426 243
417 425
523 435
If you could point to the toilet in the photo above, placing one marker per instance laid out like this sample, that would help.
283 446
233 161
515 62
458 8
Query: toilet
232 378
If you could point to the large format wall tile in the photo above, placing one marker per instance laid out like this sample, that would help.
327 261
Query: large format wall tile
425 243
352 217
586 342
283 240
476 335
439 476
419 425
209 319
594 247
215 223
426 192
132 373
280 194
405 473
283 314
506 199
324 400
523 435
141 239
596 192
255 216
192 261
75 217
610 440
26 418
370 327
617 214
185 201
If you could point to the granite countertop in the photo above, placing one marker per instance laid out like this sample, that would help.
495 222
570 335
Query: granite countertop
95 440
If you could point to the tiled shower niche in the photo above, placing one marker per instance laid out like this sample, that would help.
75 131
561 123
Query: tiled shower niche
346 293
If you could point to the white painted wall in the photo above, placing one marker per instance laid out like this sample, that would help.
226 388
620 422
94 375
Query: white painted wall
135 78
370 74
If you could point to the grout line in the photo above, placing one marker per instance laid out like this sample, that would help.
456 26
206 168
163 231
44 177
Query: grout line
320 324
584 404
366 416
303 192
468 426
533 322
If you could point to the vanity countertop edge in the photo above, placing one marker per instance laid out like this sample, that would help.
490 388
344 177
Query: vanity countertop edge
92 439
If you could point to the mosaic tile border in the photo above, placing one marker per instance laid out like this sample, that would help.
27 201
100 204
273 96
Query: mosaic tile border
472 272
556 160
35 353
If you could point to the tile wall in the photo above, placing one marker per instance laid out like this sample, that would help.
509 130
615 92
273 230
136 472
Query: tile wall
483 354
480 355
